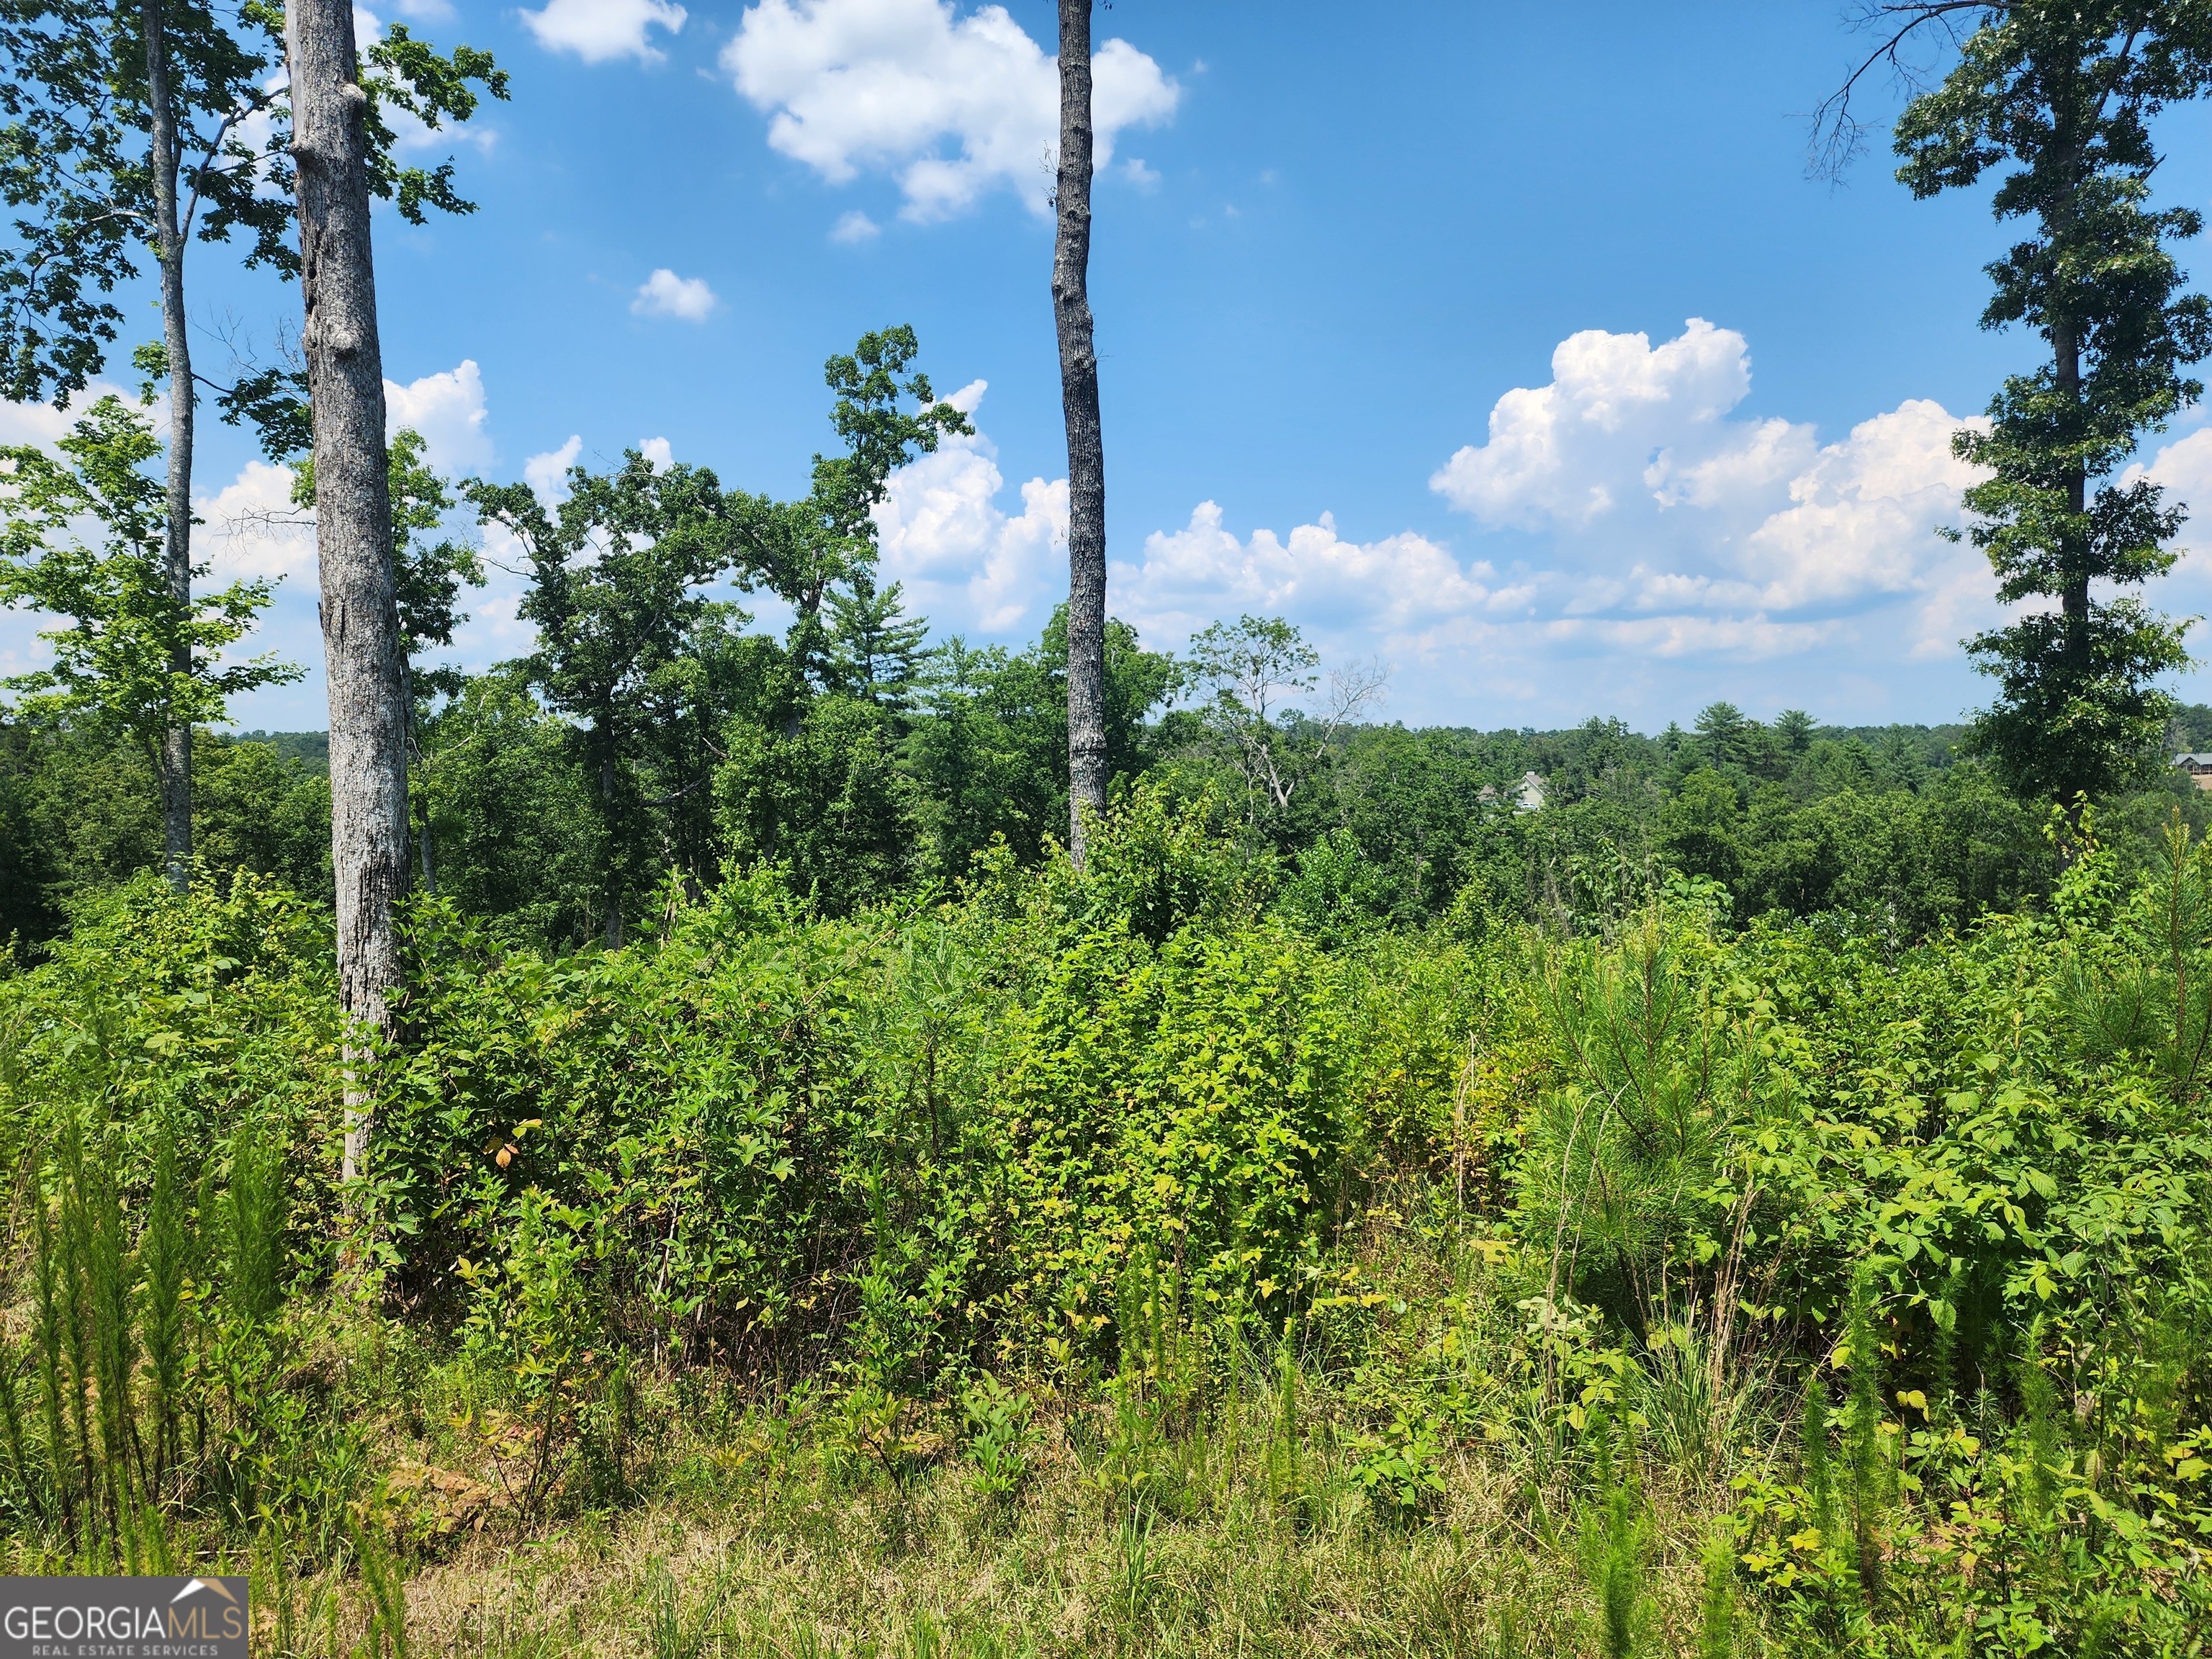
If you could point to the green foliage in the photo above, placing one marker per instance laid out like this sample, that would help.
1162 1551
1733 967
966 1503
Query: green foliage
1000 1435
2065 95
76 163
79 814
1114 1190
135 658
1613 1542
825 800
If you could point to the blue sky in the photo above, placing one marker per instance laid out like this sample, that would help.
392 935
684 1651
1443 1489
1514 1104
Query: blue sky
1510 347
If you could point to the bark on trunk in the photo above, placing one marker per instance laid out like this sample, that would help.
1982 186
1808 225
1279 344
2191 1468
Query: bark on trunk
1086 455
363 656
2074 593
611 933
174 769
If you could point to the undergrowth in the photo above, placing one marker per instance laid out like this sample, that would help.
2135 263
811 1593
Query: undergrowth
1105 1264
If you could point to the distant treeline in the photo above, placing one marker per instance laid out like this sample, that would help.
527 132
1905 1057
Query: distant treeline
902 772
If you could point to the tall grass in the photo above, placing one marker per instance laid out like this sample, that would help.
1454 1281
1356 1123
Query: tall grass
144 1390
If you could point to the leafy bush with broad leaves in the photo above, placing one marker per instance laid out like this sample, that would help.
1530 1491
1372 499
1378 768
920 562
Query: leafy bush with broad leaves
693 1108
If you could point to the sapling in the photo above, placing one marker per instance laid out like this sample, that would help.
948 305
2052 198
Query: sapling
164 1251
1717 1619
1868 1468
1612 1542
1812 1450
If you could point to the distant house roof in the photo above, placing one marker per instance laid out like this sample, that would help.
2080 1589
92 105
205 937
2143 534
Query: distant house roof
2198 757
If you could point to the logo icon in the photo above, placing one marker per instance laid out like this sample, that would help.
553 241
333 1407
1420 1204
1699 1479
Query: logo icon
123 1618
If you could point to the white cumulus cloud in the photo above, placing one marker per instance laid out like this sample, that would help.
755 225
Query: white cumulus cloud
968 563
1620 419
1187 578
599 30
448 410
665 294
1654 496
953 107
548 474
250 529
42 423
856 226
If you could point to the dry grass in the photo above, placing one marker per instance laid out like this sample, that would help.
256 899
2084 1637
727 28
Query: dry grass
798 1555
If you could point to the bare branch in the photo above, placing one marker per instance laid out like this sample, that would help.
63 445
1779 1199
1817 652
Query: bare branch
1838 135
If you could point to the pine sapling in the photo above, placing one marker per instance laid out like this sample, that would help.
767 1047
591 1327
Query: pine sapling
1612 1545
1716 1614
256 1215
48 1270
164 1250
1868 1464
1812 1451
2038 1401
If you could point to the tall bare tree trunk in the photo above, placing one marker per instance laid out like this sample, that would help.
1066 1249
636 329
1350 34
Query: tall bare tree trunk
175 768
1086 452
364 658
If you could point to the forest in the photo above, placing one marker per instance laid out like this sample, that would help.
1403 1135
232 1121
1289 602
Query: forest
759 1127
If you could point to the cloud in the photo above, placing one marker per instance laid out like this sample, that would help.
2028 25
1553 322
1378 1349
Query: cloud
953 107
666 295
548 474
659 450
250 529
1864 512
1620 419
599 30
1638 543
1652 496
856 226
968 564
1187 578
42 423
448 410
412 136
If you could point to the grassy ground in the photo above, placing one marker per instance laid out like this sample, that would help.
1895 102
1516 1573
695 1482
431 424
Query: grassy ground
771 1542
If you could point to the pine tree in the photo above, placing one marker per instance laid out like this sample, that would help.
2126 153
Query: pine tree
2062 95
880 649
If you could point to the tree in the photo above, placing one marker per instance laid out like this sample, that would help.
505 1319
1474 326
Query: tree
141 658
516 830
427 577
341 148
2059 95
615 578
1793 726
1249 670
800 551
988 747
879 648
1087 764
127 127
511 815
825 799
1726 734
